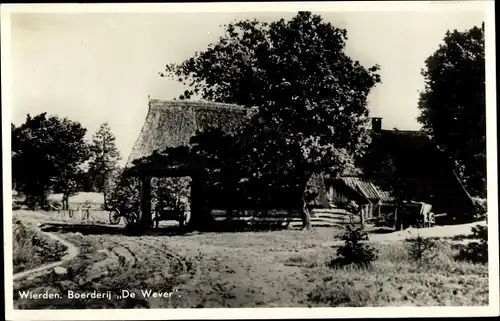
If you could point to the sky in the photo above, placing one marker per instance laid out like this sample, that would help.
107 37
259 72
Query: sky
101 67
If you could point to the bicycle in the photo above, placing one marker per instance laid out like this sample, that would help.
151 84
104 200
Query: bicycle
129 215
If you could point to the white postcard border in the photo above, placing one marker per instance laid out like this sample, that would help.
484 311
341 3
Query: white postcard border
258 313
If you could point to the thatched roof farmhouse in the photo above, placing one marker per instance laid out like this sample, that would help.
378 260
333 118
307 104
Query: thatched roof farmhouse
427 176
171 124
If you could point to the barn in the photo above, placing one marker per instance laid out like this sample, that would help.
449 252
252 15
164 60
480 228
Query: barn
373 200
408 163
172 125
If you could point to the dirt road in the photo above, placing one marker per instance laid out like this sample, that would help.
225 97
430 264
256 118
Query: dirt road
247 269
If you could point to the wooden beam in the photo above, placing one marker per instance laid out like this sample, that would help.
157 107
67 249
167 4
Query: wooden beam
199 212
145 202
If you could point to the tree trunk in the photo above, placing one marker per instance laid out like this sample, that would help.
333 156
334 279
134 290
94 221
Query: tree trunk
201 218
306 214
42 198
65 202
105 203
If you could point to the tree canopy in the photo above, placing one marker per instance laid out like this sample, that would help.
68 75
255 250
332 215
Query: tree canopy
47 154
452 105
311 96
104 160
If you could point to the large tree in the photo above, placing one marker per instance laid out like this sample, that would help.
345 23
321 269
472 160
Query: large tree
311 96
104 160
452 105
47 154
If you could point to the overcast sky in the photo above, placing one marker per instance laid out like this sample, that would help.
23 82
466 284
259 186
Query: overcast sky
101 67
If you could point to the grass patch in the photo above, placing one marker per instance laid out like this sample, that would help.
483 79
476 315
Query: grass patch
31 248
397 279
258 269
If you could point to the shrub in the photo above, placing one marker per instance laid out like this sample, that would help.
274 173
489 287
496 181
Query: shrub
354 251
50 250
17 205
31 248
480 208
421 249
476 252
52 204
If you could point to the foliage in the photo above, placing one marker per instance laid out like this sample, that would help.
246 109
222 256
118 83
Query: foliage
48 249
355 250
421 249
481 207
170 190
125 194
47 155
113 178
476 251
31 248
104 160
452 106
311 100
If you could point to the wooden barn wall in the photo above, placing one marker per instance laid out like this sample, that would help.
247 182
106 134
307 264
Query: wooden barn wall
319 217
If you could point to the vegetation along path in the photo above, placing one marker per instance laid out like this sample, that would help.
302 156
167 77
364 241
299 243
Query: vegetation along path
252 269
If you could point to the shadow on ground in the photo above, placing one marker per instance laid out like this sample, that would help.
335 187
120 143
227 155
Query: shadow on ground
102 229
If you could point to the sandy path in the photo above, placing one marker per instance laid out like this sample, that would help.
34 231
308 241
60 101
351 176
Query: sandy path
436 231
447 231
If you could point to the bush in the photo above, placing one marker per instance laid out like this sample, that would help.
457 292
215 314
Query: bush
54 204
354 251
480 208
50 250
421 249
31 248
476 252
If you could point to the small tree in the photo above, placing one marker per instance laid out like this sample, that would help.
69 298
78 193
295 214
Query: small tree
355 250
104 159
421 249
476 251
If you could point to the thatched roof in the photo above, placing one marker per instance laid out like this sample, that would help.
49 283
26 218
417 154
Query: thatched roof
421 164
171 124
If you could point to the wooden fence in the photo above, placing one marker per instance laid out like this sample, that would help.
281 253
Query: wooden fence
319 217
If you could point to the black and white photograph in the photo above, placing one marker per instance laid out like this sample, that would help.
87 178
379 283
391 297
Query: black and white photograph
169 159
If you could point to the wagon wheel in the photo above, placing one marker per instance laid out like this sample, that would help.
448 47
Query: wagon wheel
131 218
183 218
432 219
114 217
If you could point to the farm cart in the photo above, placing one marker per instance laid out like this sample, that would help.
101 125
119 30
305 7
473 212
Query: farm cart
177 209
417 214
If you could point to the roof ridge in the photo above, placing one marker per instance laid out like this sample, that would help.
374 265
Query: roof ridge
194 103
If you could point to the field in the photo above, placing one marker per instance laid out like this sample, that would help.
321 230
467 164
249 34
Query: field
251 269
